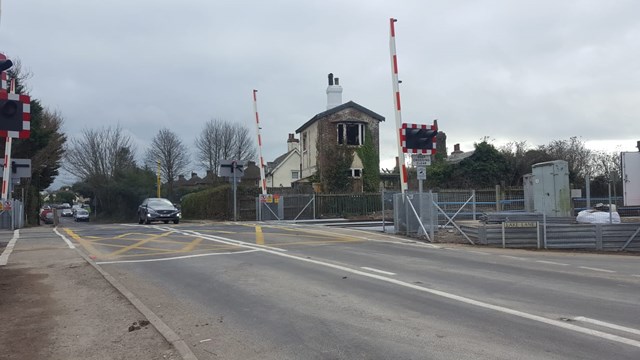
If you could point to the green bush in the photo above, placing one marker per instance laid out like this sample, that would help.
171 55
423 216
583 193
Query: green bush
210 204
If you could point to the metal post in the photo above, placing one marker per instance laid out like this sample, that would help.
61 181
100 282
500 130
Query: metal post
158 179
504 241
235 208
384 230
432 215
610 212
473 204
544 227
588 190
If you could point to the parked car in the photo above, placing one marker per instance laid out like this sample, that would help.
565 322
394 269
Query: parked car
44 213
67 213
158 209
81 215
48 217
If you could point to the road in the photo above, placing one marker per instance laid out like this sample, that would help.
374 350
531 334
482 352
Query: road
290 291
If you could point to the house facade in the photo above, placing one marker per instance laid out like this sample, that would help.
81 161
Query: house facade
345 125
285 169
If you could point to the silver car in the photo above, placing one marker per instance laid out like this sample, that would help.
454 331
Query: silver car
158 209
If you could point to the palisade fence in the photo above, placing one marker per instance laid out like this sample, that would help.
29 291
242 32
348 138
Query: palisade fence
13 218
461 204
505 224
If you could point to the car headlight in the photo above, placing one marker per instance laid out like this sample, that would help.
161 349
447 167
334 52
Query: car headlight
151 212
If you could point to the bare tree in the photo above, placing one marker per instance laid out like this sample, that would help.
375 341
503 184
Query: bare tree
172 154
574 152
220 140
97 155
96 158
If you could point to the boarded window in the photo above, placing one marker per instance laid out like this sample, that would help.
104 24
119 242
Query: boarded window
351 133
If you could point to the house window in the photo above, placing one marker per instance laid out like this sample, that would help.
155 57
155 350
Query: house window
354 173
351 133
305 143
295 174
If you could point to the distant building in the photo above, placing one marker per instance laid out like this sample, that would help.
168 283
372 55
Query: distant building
285 169
458 155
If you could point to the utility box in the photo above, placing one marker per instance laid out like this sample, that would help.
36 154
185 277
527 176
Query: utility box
551 192
630 162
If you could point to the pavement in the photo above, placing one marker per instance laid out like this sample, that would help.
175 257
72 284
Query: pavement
56 304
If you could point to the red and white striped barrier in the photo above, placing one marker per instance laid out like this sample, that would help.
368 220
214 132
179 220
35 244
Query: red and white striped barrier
396 101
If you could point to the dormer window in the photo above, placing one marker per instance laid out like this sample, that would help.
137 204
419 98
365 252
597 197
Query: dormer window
351 133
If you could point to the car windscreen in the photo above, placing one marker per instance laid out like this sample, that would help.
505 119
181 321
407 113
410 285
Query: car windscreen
160 202
82 212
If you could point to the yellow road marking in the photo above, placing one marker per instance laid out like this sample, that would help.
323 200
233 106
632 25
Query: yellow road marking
142 242
190 246
259 236
86 244
312 233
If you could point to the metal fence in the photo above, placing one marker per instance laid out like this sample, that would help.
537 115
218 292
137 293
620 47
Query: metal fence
548 235
415 214
458 204
14 217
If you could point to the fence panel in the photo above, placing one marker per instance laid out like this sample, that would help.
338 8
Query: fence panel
571 236
341 205
615 236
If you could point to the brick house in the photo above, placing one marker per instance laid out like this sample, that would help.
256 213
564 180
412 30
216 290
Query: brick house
341 124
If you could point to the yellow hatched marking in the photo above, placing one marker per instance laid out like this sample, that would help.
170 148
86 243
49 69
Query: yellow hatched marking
327 242
259 236
85 244
190 246
311 232
142 242
196 251
127 234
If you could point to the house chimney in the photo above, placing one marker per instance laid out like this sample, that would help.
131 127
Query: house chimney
456 149
292 143
334 92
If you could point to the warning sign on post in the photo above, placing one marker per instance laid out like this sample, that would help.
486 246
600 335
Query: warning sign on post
420 159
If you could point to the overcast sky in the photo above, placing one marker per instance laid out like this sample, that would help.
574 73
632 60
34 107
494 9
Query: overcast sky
532 71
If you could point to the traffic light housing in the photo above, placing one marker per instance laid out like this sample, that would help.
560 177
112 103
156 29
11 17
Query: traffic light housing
5 64
11 115
419 138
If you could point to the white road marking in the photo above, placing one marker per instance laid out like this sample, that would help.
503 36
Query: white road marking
478 252
551 262
174 257
219 239
4 258
462 299
514 257
378 271
596 269
636 275
606 324
69 243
